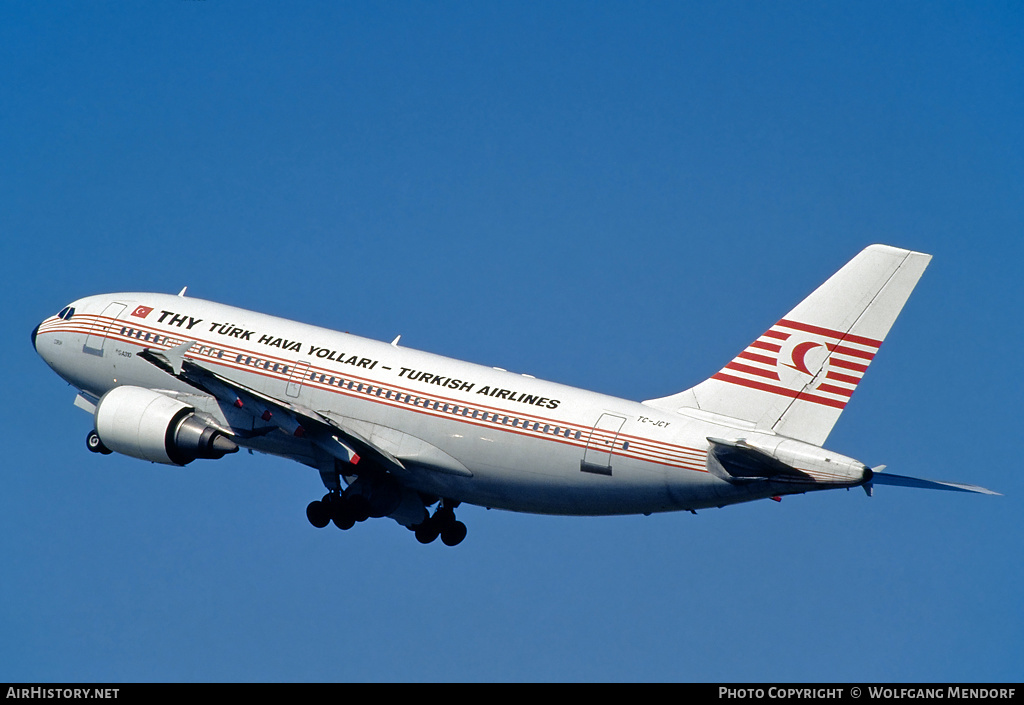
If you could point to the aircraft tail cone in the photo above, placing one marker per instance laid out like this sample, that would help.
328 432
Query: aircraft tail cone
869 476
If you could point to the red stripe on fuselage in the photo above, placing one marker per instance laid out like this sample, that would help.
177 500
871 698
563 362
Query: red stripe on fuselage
640 448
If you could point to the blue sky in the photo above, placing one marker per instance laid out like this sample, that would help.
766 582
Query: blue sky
617 196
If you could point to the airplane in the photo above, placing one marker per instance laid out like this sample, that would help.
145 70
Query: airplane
395 432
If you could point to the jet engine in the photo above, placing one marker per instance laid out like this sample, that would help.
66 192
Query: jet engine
152 426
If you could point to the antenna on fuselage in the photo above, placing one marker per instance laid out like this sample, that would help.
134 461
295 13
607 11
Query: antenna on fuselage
182 292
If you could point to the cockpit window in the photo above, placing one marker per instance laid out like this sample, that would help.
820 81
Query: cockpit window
66 313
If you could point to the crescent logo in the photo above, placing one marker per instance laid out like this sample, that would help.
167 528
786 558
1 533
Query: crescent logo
142 311
799 355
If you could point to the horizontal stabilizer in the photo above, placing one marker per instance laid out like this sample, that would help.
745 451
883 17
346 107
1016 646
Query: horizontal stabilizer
884 478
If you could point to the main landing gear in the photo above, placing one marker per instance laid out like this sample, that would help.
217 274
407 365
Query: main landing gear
346 510
444 524
343 511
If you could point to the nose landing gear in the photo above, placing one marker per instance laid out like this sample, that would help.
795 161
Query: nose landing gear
94 444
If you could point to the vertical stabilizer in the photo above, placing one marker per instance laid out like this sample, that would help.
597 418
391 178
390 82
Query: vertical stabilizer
798 376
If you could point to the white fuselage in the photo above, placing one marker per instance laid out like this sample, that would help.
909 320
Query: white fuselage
468 432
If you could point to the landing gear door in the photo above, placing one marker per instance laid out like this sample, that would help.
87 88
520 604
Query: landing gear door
603 441
98 333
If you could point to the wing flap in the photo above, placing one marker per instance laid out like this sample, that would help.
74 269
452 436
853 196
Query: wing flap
294 419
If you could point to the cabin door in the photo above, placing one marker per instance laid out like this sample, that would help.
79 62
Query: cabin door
603 441
98 334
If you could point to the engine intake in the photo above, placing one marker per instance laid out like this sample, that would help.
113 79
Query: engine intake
152 426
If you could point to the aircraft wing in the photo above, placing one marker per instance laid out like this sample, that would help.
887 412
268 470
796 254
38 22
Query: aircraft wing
330 435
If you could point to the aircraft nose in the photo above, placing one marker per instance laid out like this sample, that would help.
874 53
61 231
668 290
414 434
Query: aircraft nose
35 332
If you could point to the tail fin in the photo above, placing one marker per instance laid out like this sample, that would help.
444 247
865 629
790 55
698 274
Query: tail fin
798 376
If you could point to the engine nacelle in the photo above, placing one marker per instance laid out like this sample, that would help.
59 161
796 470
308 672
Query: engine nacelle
152 426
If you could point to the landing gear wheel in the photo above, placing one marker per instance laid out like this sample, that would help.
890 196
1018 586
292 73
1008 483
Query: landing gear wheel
94 444
427 531
335 509
444 524
453 533
342 515
318 514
